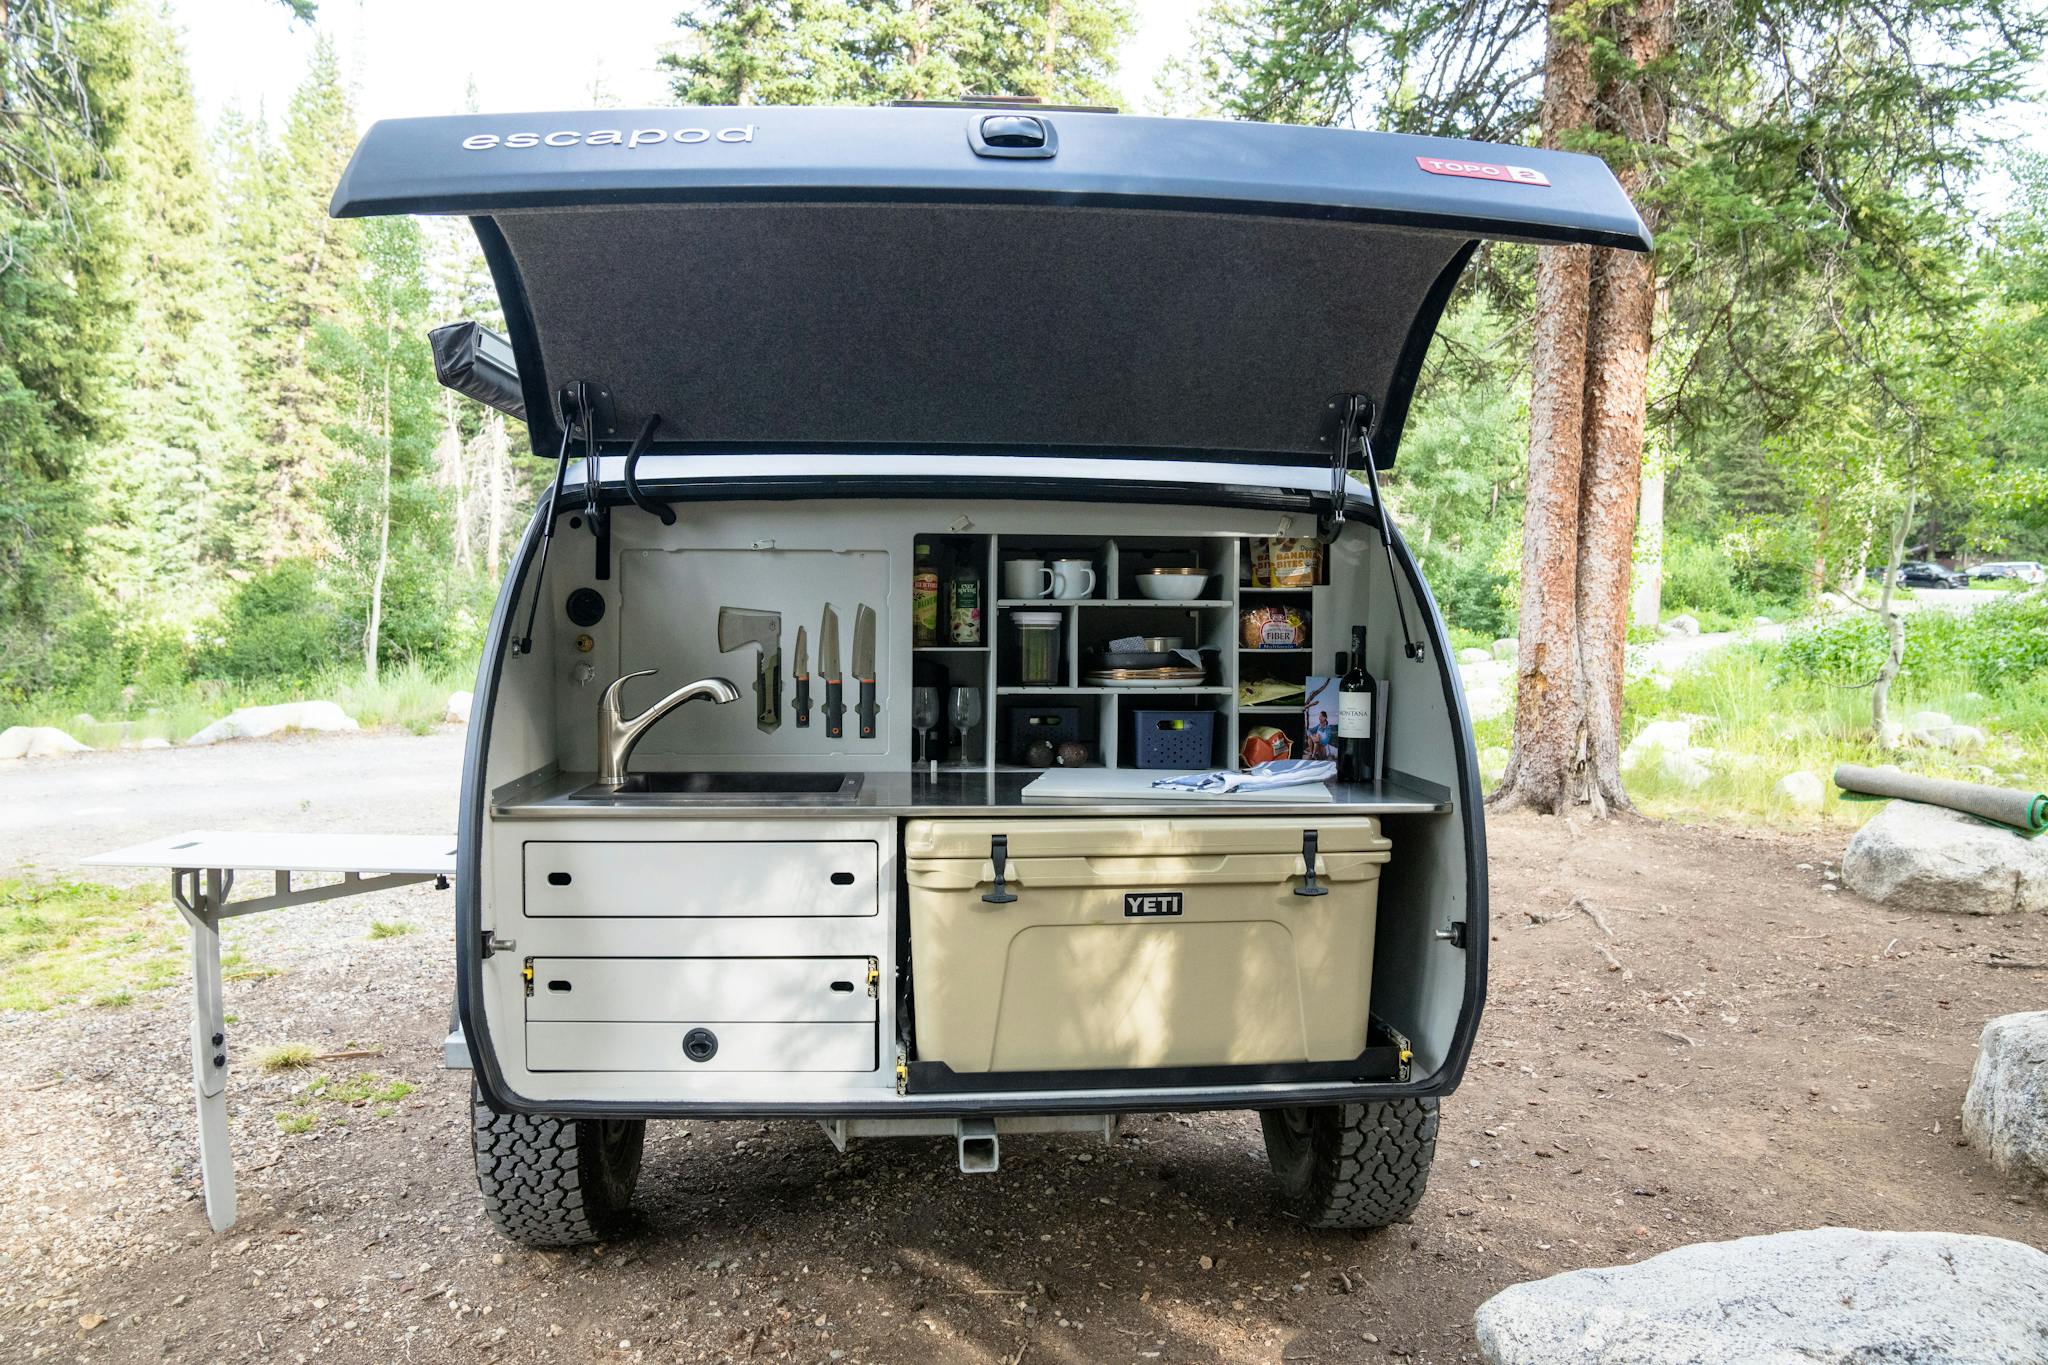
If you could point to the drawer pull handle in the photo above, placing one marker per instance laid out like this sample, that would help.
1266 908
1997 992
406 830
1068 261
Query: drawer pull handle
558 879
844 987
700 1045
560 986
842 879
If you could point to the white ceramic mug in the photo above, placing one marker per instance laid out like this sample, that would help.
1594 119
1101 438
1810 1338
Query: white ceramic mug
1073 578
1026 578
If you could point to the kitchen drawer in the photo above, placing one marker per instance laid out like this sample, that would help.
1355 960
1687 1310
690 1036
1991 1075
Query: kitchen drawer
764 879
807 990
659 1047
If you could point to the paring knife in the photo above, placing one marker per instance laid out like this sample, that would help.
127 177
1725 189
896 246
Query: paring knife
828 664
803 681
864 667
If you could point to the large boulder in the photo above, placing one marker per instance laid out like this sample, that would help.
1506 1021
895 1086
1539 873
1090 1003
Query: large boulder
255 722
37 741
1919 857
2005 1112
1506 648
1682 625
1485 702
1474 655
457 712
1795 1298
1665 747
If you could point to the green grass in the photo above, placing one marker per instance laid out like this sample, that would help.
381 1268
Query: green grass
409 696
389 929
63 942
296 1121
285 1057
1761 730
364 1085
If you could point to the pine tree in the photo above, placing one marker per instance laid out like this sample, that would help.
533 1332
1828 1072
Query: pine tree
61 306
869 51
294 265
177 430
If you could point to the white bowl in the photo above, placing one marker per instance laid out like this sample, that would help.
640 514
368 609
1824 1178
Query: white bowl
1172 587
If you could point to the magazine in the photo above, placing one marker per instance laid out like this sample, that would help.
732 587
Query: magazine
1319 719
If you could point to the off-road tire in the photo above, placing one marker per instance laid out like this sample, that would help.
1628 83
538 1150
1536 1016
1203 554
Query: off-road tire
1352 1165
555 1182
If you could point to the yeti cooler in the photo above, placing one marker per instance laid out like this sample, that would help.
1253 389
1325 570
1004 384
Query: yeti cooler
1167 941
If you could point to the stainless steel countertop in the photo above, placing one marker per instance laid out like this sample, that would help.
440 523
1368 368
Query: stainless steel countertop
952 792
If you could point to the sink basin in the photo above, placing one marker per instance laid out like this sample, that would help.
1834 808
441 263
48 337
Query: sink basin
739 788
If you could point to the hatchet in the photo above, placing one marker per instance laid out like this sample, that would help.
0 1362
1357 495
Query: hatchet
739 627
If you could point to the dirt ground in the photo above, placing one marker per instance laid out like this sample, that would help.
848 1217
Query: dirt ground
1762 1053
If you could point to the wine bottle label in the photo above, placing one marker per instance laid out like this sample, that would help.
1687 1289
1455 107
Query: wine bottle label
1354 715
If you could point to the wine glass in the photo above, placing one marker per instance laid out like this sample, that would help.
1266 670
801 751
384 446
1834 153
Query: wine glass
965 706
924 717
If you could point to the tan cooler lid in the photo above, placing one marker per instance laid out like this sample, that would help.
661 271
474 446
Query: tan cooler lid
1140 836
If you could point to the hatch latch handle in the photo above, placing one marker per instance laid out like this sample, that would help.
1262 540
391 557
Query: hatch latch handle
999 854
1308 885
640 499
1357 425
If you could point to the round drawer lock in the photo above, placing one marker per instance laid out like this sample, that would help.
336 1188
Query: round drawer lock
700 1045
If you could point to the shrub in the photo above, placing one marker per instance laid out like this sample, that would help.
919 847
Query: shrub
1998 647
1472 591
1699 579
277 625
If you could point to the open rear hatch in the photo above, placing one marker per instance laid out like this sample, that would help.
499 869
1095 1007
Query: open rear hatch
960 279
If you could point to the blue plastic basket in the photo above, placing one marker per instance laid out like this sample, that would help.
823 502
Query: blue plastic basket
1174 739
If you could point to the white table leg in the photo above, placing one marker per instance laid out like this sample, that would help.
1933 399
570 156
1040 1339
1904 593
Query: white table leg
209 1046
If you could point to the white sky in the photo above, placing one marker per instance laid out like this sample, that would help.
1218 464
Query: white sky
407 57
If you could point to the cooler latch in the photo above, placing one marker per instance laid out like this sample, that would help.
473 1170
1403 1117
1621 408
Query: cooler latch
999 854
1308 885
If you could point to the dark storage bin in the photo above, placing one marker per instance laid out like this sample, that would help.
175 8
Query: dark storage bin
1053 724
1174 739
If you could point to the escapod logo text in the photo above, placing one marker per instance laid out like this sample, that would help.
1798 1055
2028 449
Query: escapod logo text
609 137
1482 170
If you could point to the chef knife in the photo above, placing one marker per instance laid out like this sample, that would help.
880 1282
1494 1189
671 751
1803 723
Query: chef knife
864 667
803 681
828 664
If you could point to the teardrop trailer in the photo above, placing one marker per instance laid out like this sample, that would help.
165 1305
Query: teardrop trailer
1029 437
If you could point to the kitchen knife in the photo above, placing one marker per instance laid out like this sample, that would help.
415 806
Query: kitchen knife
803 681
828 664
864 667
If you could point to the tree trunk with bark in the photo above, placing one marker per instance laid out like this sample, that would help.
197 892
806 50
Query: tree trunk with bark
1595 310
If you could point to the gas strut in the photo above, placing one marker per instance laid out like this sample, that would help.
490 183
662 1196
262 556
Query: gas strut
1358 419
524 644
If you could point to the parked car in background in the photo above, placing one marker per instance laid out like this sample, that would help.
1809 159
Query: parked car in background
2025 570
1921 574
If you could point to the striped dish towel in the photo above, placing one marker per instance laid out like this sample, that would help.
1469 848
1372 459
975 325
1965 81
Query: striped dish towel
1280 772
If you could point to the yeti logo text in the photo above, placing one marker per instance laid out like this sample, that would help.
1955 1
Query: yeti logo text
1482 170
609 137
1153 904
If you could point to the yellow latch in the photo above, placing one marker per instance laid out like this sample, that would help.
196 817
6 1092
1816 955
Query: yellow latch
874 976
526 972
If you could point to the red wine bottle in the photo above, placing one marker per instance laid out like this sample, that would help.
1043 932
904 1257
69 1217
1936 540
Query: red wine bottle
1356 696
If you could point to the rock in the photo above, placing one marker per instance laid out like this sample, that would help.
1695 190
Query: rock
1506 648
1770 633
1658 734
1474 656
1952 737
1831 602
2005 1112
1800 792
1917 857
1484 703
1761 621
1928 720
1828 1295
1684 625
255 722
37 741
457 712
1665 748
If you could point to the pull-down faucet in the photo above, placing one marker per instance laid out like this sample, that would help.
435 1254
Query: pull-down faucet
616 735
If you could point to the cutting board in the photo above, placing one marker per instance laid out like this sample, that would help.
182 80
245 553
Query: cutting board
1135 784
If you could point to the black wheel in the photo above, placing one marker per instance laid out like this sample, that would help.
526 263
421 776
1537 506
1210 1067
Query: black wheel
555 1182
1352 1165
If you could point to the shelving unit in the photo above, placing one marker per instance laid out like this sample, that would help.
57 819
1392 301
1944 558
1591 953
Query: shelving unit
1105 714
